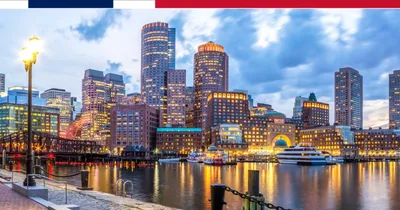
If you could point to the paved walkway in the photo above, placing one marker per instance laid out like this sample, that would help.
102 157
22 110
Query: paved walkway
11 200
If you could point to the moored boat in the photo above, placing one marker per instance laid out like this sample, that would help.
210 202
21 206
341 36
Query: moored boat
215 157
195 157
302 154
169 160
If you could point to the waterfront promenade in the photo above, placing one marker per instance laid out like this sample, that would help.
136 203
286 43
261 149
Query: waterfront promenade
86 200
10 199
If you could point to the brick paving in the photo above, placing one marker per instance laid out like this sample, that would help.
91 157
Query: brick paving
11 200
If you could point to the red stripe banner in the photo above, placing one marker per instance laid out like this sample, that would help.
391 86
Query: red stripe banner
277 4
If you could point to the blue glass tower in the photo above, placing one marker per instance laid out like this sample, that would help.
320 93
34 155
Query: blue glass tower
171 47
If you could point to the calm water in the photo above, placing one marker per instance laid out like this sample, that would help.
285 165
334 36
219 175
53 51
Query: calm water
366 186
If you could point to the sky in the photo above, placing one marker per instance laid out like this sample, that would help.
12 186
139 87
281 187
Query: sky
276 54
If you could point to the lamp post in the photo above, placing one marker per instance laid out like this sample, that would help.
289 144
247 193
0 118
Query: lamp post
29 55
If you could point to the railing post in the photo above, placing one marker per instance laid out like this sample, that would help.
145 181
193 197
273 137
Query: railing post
217 196
4 161
254 182
84 181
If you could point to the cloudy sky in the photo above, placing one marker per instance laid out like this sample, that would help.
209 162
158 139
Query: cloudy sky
275 54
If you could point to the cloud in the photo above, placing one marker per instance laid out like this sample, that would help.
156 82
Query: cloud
95 29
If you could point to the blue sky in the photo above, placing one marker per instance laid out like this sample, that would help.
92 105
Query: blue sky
275 54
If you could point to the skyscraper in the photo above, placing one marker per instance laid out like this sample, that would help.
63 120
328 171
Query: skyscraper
2 82
158 55
61 99
115 88
176 98
76 108
349 97
93 105
210 74
394 99
298 107
171 48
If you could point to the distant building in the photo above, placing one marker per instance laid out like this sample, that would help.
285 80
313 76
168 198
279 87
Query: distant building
61 99
298 107
228 137
349 98
315 113
248 96
210 75
261 109
394 99
335 139
133 125
14 118
76 108
189 92
179 140
189 111
19 95
2 83
132 98
99 94
158 56
377 142
176 98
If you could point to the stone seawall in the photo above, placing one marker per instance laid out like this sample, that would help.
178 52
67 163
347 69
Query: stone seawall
89 200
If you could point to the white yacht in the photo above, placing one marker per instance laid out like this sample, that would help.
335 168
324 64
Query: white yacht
195 157
302 154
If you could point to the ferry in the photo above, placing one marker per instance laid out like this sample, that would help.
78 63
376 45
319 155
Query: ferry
215 157
302 154
195 157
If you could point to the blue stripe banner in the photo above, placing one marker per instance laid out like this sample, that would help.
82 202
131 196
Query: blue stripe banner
70 3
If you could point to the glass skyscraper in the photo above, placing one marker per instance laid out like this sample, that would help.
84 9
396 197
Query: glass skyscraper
2 82
394 99
210 74
158 55
349 98
19 95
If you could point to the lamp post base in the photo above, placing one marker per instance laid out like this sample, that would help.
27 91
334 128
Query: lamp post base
29 181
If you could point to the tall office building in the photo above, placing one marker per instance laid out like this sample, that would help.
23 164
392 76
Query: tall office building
298 107
189 92
248 96
2 83
210 74
61 99
171 47
99 94
314 113
176 98
158 55
394 99
349 97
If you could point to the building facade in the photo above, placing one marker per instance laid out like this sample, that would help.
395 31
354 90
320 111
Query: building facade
210 74
176 97
349 98
76 108
179 140
158 55
133 125
19 95
314 113
2 83
298 107
61 99
132 98
377 142
228 137
14 118
334 139
394 99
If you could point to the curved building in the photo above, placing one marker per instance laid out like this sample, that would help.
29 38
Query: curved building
210 74
158 55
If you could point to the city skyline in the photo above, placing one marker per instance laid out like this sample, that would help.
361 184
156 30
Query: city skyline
291 72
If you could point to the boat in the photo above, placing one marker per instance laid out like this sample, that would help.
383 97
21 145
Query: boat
195 157
213 156
169 160
302 154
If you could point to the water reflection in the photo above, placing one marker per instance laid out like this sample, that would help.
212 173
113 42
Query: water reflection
361 186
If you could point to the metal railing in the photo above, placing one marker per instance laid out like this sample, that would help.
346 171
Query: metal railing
123 192
52 180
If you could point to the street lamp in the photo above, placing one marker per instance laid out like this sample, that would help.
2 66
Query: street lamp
29 55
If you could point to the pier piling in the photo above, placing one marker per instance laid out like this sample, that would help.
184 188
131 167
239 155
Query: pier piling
217 196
